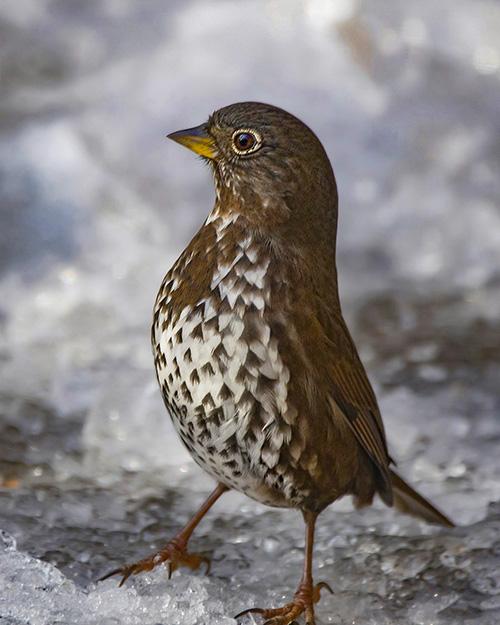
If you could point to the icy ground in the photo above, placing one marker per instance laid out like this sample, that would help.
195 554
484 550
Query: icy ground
95 205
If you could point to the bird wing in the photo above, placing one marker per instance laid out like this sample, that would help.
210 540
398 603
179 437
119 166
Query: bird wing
353 395
352 398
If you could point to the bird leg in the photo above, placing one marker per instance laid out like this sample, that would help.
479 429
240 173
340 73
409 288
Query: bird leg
307 594
175 553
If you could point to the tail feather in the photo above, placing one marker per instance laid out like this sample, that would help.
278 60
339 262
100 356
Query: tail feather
407 500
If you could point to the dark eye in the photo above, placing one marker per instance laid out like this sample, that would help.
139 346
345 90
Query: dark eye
245 141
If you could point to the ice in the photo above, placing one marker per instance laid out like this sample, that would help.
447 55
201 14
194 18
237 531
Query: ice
36 592
95 206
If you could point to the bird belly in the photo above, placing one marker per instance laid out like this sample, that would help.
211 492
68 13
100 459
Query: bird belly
226 388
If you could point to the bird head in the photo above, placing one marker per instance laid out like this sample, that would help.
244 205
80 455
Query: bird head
266 160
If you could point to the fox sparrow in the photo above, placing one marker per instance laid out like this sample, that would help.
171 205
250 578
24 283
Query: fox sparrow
256 365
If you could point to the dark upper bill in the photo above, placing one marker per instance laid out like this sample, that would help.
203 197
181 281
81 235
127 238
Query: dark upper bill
195 139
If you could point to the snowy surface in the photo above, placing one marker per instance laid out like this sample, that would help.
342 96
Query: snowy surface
95 204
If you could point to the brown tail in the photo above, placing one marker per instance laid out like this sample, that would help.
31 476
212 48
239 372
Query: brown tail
407 500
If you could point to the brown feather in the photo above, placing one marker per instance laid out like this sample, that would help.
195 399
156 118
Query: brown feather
407 500
352 392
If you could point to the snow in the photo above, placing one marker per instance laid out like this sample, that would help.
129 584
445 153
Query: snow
95 206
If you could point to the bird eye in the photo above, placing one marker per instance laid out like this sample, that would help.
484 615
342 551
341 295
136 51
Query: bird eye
245 141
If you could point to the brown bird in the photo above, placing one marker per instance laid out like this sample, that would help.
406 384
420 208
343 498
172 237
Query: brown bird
256 365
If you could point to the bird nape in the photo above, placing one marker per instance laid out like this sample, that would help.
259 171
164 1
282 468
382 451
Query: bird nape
256 365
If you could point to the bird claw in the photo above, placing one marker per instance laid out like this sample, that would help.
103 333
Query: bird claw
168 566
317 589
250 611
173 556
303 601
118 571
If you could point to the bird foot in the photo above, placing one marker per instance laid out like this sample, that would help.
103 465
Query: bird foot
303 602
172 555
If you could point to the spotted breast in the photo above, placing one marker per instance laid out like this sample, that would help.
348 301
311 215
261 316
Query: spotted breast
218 361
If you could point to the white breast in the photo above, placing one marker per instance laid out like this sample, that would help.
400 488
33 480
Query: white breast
212 375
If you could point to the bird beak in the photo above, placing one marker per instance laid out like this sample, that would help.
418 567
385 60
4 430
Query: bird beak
196 139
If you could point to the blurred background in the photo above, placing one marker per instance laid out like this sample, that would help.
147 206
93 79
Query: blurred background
95 205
